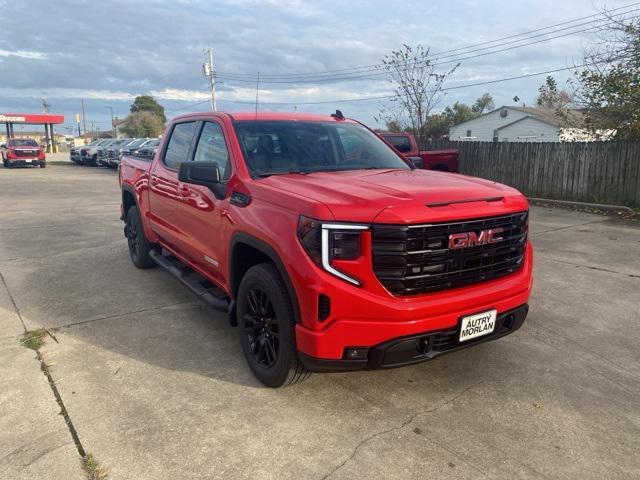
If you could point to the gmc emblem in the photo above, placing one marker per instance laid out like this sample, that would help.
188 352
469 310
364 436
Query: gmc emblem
471 239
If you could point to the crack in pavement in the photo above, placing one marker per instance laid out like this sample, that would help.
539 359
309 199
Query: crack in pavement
599 269
593 222
405 423
45 370
124 314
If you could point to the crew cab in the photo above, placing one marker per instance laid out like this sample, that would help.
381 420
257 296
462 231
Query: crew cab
23 152
406 144
327 248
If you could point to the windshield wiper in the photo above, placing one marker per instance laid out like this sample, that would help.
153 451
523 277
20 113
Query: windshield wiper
291 172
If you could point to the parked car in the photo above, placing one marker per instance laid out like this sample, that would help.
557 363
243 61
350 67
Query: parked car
149 149
89 153
405 143
326 247
74 152
130 149
104 154
22 152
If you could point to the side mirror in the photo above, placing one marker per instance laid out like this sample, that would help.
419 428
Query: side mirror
206 174
416 162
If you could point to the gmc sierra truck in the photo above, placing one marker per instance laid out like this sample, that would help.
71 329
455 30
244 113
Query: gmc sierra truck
327 248
406 144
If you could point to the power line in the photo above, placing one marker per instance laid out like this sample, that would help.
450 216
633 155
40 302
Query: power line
391 96
454 59
370 68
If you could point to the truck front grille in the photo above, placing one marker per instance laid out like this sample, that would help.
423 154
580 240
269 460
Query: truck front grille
416 259
26 153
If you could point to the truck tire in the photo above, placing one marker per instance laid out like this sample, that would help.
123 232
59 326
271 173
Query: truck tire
266 327
139 246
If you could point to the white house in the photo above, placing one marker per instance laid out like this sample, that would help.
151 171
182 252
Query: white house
517 124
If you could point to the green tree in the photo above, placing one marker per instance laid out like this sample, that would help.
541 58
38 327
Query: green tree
393 126
459 113
437 126
146 103
483 104
608 85
143 124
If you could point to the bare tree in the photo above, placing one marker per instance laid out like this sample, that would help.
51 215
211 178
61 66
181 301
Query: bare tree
418 88
607 85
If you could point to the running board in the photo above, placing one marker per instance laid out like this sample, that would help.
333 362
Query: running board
207 291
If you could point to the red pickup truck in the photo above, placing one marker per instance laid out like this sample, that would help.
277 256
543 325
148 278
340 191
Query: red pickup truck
405 143
326 247
22 152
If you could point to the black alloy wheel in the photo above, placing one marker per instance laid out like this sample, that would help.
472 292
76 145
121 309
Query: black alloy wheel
261 326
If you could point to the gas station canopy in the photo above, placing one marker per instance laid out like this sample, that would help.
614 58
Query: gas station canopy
46 119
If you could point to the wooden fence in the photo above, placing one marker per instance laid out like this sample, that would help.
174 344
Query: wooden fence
600 172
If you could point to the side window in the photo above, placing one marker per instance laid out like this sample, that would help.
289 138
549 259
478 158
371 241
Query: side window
212 148
178 147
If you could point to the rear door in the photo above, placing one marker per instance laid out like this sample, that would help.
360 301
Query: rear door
166 195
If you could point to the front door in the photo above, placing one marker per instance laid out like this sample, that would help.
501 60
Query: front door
202 222
166 194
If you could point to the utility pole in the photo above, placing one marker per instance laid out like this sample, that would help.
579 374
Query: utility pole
209 73
84 120
113 127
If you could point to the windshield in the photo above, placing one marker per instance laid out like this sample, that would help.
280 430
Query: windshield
273 147
22 142
137 143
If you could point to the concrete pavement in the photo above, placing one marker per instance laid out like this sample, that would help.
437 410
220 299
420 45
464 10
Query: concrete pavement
155 384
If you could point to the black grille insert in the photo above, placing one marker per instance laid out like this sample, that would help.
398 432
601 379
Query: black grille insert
416 259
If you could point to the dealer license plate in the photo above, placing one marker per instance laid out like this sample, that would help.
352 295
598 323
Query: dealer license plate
477 325
28 160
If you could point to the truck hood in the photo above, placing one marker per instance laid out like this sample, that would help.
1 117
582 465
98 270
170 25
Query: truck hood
401 196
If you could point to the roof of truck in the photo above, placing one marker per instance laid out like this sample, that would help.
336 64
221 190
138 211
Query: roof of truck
241 116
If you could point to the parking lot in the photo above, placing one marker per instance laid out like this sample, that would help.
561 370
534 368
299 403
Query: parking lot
155 385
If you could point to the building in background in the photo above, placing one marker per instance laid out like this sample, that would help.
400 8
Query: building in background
521 124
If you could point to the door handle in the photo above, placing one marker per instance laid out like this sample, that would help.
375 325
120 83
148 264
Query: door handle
183 190
154 180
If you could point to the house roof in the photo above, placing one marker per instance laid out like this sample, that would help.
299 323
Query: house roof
550 115
546 115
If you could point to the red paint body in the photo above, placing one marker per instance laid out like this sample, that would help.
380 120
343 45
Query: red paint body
442 160
193 224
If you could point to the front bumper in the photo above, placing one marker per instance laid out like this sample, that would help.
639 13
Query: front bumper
25 162
415 348
362 317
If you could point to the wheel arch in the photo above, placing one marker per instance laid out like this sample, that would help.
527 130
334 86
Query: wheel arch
246 251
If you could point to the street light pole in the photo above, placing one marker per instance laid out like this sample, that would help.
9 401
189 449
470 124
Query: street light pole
113 127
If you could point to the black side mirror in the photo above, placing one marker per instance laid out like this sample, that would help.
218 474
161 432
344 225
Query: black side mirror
202 173
416 162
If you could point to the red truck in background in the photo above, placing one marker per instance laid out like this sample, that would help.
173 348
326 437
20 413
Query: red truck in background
22 152
405 143
327 248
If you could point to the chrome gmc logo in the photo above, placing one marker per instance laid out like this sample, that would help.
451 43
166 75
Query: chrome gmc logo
472 239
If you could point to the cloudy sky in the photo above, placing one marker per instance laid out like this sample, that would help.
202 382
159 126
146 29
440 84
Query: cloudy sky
107 52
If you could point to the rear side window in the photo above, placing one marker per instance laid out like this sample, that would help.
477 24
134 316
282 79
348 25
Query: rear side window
179 143
400 142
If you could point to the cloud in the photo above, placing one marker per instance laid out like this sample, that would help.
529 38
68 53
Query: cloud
23 54
111 51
